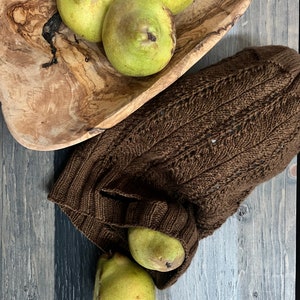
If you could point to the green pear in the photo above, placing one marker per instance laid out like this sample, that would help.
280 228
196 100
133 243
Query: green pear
84 17
155 250
138 36
119 278
177 6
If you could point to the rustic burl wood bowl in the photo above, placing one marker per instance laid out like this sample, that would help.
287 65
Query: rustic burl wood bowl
79 96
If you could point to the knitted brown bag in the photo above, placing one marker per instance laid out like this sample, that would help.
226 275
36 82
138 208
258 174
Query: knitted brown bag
184 161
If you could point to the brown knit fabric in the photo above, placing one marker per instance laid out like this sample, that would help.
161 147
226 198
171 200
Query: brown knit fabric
183 162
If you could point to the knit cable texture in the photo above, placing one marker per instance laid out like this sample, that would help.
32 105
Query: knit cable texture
184 162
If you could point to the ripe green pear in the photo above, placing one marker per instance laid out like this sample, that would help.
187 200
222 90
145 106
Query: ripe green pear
155 250
84 17
138 36
177 6
119 278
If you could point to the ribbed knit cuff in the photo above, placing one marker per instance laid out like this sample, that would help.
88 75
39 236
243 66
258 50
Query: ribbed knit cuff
106 225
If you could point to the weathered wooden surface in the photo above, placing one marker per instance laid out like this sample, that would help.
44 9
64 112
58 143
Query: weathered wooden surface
252 256
26 222
94 95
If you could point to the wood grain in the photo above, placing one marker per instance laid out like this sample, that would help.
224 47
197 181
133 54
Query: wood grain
55 107
27 221
252 256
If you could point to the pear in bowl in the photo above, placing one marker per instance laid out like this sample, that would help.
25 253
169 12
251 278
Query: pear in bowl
177 6
138 36
84 17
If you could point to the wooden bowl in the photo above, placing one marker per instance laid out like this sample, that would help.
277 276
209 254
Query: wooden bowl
80 96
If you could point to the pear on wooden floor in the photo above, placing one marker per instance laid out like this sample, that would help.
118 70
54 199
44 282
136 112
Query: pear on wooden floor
119 278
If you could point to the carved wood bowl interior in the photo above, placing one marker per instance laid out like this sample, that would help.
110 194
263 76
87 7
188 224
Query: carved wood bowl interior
75 99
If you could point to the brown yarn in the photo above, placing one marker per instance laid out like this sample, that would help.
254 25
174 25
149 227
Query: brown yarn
184 161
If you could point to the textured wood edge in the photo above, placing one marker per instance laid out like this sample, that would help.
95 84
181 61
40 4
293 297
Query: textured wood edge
79 126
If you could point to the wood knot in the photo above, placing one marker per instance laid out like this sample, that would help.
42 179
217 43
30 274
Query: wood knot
27 19
242 213
19 15
292 171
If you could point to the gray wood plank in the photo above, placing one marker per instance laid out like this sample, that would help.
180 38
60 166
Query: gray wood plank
267 234
27 222
75 256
